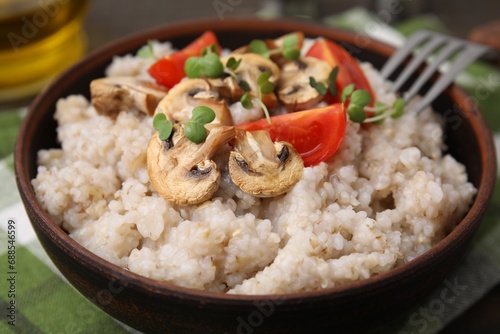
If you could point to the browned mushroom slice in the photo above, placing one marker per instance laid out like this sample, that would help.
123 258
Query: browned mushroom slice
180 101
263 168
182 171
252 65
295 90
114 94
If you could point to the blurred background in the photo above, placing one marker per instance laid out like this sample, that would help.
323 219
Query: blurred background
110 19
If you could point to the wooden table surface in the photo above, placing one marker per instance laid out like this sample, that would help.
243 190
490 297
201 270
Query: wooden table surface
111 19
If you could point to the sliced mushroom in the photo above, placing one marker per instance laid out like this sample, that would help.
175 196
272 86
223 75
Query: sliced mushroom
114 94
263 168
294 89
181 171
252 65
180 101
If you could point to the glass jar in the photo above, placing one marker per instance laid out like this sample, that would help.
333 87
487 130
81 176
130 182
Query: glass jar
39 39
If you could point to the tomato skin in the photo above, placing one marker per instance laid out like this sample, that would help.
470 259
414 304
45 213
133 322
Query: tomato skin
169 70
316 134
349 70
196 47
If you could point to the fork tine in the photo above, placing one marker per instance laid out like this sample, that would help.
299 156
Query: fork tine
433 44
452 47
471 53
399 56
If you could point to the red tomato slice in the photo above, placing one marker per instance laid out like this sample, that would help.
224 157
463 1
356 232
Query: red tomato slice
316 134
349 70
169 70
196 47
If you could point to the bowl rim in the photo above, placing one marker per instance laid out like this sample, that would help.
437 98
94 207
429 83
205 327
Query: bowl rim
189 295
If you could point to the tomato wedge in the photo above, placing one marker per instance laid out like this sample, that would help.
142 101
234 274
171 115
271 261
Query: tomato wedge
316 134
169 70
349 70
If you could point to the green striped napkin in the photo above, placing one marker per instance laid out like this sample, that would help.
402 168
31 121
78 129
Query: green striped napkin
34 297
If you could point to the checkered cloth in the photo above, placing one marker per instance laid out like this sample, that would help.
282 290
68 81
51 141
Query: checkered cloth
46 303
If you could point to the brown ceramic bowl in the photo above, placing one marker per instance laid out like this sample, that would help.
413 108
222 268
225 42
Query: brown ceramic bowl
154 306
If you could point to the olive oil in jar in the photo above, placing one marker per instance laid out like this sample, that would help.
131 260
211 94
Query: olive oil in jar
38 40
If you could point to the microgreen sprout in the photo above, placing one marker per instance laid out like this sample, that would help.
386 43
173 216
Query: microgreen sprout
212 48
163 126
232 65
265 87
194 129
381 111
319 86
147 51
359 99
289 48
346 92
331 87
290 44
208 64
358 106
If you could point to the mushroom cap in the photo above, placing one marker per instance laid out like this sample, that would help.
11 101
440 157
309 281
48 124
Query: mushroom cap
294 89
263 168
114 94
181 171
180 101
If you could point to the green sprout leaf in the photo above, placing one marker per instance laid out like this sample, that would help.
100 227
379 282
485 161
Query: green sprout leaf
246 101
208 65
244 85
356 113
233 64
212 48
202 114
260 47
346 92
361 97
398 108
163 126
146 51
194 129
290 41
290 50
291 54
332 87
359 100
265 86
319 86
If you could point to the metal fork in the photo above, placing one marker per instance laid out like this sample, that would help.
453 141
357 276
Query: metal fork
441 47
